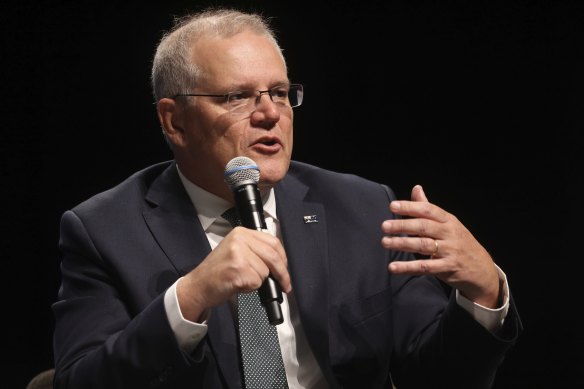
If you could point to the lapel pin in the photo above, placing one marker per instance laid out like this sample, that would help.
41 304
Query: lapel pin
310 219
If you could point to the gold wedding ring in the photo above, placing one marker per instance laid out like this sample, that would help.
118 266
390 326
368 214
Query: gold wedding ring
435 249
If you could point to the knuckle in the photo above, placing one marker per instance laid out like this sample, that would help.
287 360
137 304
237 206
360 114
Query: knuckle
421 244
426 209
423 226
429 245
273 242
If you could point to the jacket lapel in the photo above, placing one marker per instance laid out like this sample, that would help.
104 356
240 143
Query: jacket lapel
303 225
172 220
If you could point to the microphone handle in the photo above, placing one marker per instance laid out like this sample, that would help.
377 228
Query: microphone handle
251 212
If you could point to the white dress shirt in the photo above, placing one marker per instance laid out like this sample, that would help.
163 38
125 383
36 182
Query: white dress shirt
293 342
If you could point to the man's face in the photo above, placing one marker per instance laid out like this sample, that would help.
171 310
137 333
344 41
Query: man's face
211 135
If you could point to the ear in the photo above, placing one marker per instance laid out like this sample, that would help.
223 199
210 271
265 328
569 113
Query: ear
170 115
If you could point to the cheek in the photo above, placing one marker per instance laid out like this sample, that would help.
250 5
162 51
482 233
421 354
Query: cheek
233 139
286 124
290 140
215 129
225 145
205 139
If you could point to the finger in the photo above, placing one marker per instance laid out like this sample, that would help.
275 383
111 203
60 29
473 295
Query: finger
263 253
418 194
421 209
238 263
271 253
421 227
419 267
421 245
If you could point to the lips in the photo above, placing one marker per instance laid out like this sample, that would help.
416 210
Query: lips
268 144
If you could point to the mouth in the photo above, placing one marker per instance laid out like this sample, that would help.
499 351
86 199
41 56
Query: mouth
268 144
268 141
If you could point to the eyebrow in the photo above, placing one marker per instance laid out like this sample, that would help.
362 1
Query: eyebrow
248 86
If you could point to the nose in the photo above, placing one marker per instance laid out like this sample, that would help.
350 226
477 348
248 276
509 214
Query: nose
266 110
261 93
266 103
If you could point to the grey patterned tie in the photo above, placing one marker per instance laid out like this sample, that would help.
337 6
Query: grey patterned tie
263 367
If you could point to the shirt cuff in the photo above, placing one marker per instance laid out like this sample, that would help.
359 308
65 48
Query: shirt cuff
491 319
188 334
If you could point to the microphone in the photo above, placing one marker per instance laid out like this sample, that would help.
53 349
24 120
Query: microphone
242 175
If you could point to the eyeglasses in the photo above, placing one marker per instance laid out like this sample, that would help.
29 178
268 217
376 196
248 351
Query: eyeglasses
243 102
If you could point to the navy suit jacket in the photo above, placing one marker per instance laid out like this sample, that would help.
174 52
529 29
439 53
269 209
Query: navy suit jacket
123 248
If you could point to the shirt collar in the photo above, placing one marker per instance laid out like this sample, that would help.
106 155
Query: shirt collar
209 206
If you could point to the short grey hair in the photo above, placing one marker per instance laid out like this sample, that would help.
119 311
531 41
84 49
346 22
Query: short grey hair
172 67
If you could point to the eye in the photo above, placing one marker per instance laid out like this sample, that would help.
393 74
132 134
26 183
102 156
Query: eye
239 97
280 93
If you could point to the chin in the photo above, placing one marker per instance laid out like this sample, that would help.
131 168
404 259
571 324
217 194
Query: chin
271 174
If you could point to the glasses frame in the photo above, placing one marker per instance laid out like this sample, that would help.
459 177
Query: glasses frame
269 92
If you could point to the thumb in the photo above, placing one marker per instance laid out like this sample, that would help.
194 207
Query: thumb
418 194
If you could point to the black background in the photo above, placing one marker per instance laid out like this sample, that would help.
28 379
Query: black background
481 102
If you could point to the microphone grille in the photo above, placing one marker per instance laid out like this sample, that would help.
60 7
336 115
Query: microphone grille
239 170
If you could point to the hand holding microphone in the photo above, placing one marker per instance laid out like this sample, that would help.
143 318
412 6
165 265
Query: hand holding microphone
242 175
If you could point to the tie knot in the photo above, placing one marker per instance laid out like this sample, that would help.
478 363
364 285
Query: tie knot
232 216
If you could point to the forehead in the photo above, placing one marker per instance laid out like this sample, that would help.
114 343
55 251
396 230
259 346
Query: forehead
244 59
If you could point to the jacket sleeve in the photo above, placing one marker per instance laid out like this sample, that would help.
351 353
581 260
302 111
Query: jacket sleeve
103 341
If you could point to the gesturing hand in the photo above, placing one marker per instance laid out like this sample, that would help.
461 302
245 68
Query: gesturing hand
456 257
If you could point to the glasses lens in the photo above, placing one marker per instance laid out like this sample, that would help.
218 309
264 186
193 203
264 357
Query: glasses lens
243 103
296 94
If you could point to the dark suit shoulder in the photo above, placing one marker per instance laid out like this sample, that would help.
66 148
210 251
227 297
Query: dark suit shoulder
120 195
328 181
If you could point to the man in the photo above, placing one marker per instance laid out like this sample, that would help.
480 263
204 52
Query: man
151 271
